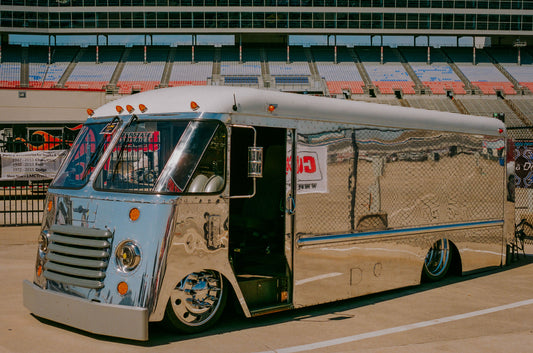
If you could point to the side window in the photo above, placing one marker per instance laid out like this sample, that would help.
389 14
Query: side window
209 176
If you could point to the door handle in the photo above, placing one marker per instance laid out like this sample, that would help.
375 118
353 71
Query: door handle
291 205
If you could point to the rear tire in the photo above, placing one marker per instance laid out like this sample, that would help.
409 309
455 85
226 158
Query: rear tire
437 261
197 302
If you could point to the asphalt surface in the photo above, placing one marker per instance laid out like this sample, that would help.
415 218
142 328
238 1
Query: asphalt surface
490 311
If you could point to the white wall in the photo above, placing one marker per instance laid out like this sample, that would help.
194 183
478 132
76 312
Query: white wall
47 105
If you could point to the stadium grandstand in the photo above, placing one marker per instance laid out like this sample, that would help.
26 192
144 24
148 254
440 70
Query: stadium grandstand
346 49
492 74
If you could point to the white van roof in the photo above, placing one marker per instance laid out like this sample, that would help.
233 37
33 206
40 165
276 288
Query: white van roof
250 101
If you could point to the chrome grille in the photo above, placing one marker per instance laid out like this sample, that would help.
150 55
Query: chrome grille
78 256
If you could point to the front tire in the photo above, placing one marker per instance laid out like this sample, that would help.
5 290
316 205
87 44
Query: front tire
197 302
437 261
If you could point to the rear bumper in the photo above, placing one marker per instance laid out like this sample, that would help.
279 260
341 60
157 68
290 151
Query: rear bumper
104 319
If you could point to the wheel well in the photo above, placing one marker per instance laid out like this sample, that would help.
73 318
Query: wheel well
456 267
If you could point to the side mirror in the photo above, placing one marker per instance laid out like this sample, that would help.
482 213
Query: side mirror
255 162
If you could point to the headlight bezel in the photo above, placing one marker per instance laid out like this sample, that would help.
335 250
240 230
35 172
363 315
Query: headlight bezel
127 256
44 241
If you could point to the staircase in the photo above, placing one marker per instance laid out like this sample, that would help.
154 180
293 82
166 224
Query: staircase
111 87
165 77
420 88
517 86
459 73
68 71
363 73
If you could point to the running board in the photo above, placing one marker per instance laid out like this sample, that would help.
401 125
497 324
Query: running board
264 291
271 309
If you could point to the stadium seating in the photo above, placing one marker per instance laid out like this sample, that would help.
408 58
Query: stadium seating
37 65
92 74
185 72
10 66
338 69
297 65
139 75
436 87
10 74
482 73
338 87
231 65
389 76
435 74
521 71
340 76
61 58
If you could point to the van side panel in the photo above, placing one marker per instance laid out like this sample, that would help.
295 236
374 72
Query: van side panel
382 197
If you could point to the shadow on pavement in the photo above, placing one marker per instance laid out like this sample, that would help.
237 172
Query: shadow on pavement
233 319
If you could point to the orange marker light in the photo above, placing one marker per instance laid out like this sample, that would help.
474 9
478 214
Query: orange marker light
122 288
142 108
130 109
135 214
119 109
194 106
50 205
39 271
90 112
271 108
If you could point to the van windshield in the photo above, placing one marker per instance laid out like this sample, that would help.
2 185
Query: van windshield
90 145
163 156
150 156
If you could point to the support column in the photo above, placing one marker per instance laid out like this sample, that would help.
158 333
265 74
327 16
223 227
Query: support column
474 52
144 50
194 40
97 44
335 50
240 48
381 49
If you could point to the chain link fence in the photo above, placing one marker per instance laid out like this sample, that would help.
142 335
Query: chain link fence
29 158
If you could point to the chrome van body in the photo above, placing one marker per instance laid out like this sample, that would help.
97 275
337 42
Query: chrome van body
162 220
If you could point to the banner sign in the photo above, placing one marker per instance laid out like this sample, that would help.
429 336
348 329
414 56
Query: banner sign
311 169
33 165
524 164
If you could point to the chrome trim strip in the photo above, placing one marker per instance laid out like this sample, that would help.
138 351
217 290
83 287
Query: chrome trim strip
77 251
67 260
52 276
79 242
80 231
73 271
310 240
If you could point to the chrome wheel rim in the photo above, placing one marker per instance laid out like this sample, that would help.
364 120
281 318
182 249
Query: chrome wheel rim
197 297
437 258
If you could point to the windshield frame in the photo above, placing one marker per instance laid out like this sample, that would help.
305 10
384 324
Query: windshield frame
115 143
93 163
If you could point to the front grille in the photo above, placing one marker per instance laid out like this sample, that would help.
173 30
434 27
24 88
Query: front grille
78 256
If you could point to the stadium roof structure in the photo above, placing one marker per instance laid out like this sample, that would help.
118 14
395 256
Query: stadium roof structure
494 18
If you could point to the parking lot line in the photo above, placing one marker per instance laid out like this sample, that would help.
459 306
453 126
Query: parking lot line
397 329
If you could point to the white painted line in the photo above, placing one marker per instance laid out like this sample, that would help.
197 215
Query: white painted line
317 278
388 331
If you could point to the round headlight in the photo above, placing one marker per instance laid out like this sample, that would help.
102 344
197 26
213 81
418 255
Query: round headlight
43 241
128 256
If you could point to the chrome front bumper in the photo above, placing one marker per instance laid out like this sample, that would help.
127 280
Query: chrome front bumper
104 319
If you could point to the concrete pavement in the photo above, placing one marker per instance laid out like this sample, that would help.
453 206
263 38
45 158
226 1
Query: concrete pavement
486 312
